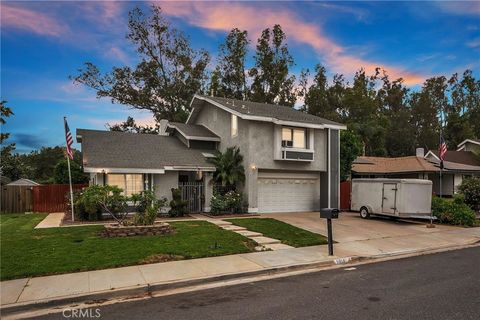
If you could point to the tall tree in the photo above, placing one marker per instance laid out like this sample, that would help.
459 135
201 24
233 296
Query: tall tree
425 121
457 126
40 164
463 114
400 138
317 100
231 65
9 163
60 173
429 109
350 149
363 113
336 96
130 125
271 80
168 74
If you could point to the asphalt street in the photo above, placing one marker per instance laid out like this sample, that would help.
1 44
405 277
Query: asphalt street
437 286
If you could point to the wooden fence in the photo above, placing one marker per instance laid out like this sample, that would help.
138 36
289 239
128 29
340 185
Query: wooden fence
52 197
345 194
16 199
44 198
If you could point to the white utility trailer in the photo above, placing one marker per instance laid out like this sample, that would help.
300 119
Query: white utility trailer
403 198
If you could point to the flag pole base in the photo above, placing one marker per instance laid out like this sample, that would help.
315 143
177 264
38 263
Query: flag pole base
430 225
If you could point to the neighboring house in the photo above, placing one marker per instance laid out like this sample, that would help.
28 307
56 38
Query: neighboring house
291 158
457 165
23 183
470 145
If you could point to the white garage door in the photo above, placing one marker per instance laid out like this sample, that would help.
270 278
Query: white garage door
288 192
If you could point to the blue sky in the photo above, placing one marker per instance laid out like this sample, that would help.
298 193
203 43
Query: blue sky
42 43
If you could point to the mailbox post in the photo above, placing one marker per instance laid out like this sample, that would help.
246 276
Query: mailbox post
329 214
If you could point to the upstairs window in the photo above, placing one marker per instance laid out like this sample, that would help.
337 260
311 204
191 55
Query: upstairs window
234 125
294 138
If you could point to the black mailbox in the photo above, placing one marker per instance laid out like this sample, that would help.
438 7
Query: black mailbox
329 213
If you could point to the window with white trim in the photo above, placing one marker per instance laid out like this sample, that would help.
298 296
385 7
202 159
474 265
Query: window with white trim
129 183
294 138
234 125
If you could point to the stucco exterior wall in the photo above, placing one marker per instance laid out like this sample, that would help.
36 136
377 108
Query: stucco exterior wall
261 149
219 121
98 179
457 181
256 142
447 183
163 183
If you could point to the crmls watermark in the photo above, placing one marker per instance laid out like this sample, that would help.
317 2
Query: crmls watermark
82 313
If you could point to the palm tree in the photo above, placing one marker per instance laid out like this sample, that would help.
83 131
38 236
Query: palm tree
230 170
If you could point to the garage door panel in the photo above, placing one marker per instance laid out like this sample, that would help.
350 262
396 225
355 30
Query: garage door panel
288 194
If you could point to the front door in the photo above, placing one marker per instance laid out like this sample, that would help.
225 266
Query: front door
389 201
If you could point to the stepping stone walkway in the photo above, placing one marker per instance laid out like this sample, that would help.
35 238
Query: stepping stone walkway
265 243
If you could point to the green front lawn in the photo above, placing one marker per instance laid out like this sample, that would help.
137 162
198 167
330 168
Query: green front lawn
27 252
282 231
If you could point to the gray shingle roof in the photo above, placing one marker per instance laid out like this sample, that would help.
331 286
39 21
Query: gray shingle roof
463 157
193 130
270 110
23 182
110 149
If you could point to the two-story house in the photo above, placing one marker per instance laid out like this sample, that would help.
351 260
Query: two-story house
291 158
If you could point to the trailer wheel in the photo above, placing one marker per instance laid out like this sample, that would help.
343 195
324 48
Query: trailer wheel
364 214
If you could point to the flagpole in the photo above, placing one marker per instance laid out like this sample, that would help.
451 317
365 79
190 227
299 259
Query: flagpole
70 180
441 169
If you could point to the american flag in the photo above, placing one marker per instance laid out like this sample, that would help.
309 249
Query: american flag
69 138
442 149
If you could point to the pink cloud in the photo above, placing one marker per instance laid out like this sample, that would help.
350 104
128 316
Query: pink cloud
459 7
225 16
25 19
142 118
103 12
117 54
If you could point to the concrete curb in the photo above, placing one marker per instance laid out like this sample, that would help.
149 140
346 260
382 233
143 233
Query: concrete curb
151 289
415 253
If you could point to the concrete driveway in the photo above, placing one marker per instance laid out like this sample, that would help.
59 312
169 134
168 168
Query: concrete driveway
350 227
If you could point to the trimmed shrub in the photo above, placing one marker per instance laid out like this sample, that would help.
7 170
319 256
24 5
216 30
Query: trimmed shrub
453 211
470 188
147 207
148 216
229 203
93 200
178 207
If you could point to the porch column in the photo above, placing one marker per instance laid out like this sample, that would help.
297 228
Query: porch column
208 185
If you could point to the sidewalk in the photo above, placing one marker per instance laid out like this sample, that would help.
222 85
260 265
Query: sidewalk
142 279
53 220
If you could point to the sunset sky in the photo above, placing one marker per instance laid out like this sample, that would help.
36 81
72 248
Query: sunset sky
42 43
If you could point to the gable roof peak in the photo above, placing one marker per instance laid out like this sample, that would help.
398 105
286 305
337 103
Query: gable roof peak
258 111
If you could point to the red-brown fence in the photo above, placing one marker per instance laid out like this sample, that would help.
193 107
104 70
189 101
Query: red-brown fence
16 199
345 192
52 197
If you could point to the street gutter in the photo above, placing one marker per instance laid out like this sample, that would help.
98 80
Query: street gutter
25 309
